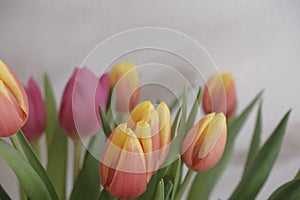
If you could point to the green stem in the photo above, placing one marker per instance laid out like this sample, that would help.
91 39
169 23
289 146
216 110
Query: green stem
14 140
77 156
184 184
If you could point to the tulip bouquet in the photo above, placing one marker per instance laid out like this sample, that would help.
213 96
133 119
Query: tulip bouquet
133 149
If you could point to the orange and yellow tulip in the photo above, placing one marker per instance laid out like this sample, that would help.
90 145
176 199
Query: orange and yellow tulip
220 95
135 150
125 78
122 166
13 102
204 144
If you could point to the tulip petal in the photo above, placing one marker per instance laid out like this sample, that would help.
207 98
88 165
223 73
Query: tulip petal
10 121
143 133
213 157
112 151
130 178
10 80
140 112
213 134
165 130
194 138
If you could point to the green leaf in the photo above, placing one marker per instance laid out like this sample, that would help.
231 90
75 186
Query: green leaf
29 179
297 175
87 185
175 123
109 100
260 168
56 144
194 110
35 163
51 112
168 190
160 191
106 196
288 191
3 194
105 123
255 143
204 182
172 173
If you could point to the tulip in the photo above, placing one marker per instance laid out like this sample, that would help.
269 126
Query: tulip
220 95
125 78
148 132
79 108
13 102
122 166
36 122
204 144
153 128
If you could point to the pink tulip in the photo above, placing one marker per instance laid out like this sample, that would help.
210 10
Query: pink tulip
204 144
13 102
79 109
36 122
220 95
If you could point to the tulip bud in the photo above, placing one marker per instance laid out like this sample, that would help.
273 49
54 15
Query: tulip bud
148 132
13 102
204 144
220 95
36 122
122 166
79 108
153 129
125 78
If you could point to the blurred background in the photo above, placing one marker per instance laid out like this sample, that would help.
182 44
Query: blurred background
256 40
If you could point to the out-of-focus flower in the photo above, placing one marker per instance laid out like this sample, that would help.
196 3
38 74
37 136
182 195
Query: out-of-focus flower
79 108
204 144
122 166
125 78
36 122
220 95
126 170
13 102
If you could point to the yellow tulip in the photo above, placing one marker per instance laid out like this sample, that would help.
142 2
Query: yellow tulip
125 78
13 102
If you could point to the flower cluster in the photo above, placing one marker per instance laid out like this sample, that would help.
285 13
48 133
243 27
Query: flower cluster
134 162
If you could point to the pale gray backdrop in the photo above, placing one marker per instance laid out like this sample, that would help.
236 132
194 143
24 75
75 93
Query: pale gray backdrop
256 40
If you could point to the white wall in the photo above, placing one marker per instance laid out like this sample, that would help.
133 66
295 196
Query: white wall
256 40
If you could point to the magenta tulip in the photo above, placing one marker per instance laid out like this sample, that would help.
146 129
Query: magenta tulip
79 109
36 122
